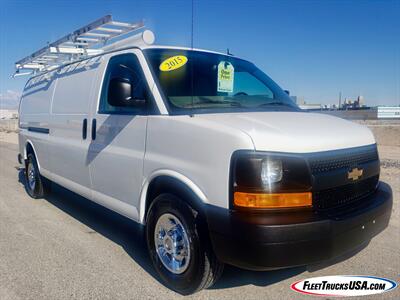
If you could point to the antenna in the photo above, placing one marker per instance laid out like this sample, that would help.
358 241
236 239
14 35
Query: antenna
191 63
83 42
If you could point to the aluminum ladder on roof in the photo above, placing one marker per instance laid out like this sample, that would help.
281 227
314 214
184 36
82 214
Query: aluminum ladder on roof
81 43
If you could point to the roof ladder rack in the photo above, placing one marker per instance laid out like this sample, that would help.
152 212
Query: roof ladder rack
84 42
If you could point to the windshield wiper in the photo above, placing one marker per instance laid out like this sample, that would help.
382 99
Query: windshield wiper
209 101
231 103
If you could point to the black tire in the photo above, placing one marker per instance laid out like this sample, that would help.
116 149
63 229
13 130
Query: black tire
203 268
39 187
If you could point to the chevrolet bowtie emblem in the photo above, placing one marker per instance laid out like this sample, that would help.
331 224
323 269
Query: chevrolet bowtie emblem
355 173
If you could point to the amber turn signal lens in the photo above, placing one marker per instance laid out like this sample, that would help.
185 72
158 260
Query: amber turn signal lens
278 200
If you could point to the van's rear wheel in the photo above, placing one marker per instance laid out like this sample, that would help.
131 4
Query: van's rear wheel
34 183
179 246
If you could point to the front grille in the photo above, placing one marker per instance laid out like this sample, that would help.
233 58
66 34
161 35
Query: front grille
337 194
344 195
343 159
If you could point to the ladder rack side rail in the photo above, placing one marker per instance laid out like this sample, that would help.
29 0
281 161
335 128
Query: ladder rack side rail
99 22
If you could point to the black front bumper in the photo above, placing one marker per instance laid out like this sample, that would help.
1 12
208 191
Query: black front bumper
264 241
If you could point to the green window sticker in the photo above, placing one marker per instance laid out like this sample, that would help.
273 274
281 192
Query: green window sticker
225 77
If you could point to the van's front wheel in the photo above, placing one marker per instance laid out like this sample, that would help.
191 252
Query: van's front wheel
178 245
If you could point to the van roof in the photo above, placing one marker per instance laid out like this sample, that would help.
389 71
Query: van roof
181 48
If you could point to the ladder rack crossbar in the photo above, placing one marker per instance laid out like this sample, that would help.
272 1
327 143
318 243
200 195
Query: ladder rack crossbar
102 35
109 29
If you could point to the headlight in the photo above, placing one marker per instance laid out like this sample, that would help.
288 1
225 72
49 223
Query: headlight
270 180
271 171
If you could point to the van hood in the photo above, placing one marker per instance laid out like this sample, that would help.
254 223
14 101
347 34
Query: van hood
296 132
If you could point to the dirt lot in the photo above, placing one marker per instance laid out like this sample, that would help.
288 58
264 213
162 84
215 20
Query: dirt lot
67 247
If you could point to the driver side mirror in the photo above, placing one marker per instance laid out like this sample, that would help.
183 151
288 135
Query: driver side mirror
120 94
287 92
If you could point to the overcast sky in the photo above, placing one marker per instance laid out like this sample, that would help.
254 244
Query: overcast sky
315 49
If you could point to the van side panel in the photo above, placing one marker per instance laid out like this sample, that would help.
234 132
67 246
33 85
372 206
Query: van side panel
34 118
69 109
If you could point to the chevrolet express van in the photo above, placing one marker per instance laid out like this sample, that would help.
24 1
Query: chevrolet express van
209 154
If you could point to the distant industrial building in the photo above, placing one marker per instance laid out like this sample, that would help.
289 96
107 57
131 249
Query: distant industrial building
351 109
310 106
356 104
388 112
347 104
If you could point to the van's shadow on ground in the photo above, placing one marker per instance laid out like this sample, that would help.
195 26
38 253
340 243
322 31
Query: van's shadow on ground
130 236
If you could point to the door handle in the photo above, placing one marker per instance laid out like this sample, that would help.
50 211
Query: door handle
93 129
84 129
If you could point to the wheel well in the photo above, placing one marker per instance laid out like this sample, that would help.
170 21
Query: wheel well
29 149
166 184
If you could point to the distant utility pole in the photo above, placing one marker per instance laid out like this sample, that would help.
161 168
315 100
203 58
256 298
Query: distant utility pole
340 99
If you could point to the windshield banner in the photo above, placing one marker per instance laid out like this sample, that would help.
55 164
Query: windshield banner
225 77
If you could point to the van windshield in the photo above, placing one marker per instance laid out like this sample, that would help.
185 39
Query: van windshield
201 82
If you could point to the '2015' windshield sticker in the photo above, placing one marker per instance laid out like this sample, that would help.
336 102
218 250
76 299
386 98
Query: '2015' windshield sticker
173 63
226 72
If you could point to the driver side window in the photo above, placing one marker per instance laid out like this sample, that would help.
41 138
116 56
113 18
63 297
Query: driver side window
126 69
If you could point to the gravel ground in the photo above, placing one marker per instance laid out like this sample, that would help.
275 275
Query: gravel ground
65 247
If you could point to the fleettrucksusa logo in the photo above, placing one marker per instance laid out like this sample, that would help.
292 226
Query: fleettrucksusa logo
343 285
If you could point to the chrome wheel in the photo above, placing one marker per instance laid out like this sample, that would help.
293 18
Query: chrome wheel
172 243
31 176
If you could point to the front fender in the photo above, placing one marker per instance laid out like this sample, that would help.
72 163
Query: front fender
187 182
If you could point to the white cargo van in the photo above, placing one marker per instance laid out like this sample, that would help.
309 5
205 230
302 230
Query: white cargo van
203 149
